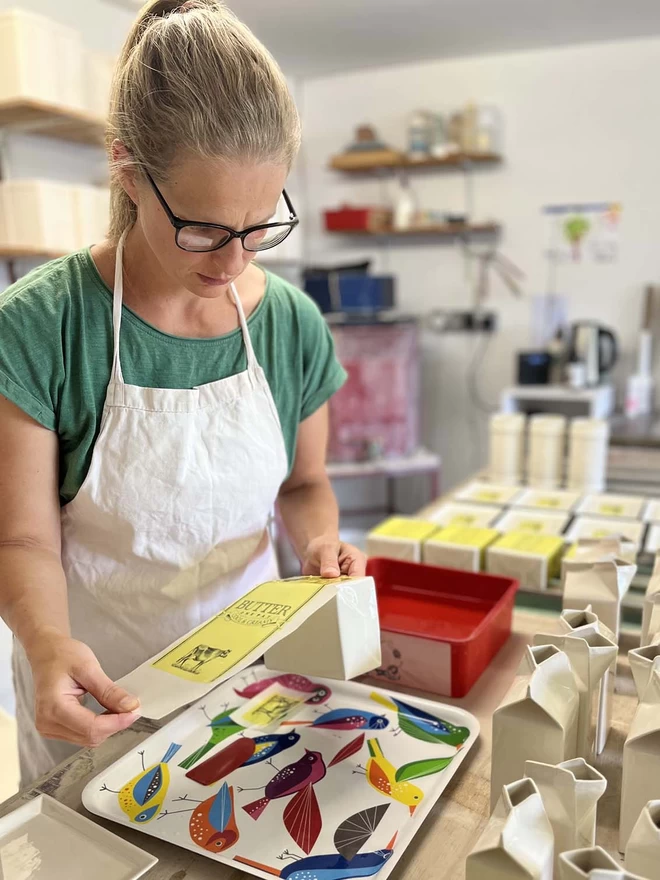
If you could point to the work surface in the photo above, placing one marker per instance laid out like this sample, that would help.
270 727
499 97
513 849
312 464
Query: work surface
439 850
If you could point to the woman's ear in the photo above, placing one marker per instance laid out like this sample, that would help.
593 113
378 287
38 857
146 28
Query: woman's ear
122 163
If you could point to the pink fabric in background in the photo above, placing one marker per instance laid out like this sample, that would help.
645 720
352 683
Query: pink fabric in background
377 410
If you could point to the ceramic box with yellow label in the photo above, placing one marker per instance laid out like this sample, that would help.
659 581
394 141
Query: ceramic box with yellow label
560 500
621 506
400 537
459 513
534 560
344 641
460 547
594 527
535 522
480 492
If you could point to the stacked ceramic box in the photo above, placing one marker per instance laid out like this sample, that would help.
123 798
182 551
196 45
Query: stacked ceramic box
536 449
51 217
558 714
44 61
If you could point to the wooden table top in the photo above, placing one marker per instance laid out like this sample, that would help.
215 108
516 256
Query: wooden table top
456 821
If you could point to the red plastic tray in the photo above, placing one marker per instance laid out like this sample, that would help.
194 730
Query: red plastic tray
440 628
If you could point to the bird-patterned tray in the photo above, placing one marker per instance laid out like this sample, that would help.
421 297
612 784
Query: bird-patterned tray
336 789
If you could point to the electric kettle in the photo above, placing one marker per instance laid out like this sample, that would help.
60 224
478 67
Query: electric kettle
594 346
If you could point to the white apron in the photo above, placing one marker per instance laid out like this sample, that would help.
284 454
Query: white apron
170 524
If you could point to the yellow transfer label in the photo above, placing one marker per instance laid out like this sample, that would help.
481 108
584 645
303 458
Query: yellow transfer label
462 519
488 495
524 542
609 508
551 502
401 527
213 649
269 707
466 537
530 525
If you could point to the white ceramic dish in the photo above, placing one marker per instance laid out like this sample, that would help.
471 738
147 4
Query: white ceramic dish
298 822
44 840
592 527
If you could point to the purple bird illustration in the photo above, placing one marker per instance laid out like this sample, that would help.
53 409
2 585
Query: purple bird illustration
319 693
293 778
345 719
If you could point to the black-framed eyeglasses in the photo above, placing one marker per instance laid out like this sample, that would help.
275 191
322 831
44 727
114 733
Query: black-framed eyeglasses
201 238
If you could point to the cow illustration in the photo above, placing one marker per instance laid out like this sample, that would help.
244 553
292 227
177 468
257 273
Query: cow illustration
198 657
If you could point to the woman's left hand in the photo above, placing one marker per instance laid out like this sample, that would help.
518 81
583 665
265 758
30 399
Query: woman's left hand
331 558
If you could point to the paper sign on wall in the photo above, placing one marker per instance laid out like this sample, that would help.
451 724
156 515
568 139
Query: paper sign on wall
578 232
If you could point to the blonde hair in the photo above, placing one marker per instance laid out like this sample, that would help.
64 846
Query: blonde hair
193 80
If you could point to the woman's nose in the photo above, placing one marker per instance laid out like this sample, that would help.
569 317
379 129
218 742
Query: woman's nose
231 259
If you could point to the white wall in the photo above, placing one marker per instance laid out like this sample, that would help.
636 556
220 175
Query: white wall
582 124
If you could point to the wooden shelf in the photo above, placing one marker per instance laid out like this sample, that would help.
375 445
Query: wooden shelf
31 253
445 230
51 120
402 162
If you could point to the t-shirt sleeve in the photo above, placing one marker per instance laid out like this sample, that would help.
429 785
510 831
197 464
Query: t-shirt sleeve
323 375
31 359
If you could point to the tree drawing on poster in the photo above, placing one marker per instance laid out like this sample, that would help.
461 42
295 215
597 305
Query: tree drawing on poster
576 233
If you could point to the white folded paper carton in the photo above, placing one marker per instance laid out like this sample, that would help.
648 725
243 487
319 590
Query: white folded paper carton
400 538
488 493
652 511
537 719
517 843
535 522
651 598
601 585
458 513
599 550
560 500
641 758
238 636
534 560
459 547
600 527
617 506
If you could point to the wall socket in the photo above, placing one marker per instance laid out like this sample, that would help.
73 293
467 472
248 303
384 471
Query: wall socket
462 322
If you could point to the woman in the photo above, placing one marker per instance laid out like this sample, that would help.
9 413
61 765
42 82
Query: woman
160 392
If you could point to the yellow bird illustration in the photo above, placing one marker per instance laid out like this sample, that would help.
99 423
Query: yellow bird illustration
142 798
382 776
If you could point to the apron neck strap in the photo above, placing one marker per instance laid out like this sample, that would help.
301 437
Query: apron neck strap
117 302
247 341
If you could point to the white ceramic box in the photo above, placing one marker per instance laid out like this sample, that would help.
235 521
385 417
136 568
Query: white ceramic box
616 506
40 60
536 522
459 547
458 513
38 214
592 863
594 527
558 499
534 560
99 70
400 537
480 492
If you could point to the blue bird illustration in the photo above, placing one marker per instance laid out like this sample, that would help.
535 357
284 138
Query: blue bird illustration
345 719
142 798
267 747
422 725
347 862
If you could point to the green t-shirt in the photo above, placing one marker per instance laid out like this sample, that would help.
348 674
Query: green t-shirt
56 356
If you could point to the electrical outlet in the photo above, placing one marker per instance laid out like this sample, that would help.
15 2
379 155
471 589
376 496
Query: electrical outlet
462 322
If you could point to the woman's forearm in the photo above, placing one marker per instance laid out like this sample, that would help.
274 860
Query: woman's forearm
309 511
33 594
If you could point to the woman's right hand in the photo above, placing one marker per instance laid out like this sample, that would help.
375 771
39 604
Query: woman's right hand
64 670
